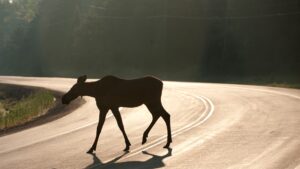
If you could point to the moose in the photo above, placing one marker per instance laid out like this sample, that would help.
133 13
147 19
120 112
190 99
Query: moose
111 92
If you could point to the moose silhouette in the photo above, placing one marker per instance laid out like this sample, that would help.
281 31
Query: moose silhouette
112 92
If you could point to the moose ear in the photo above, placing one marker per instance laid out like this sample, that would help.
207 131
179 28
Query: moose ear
82 79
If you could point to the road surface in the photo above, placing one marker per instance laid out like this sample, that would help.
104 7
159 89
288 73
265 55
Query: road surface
215 126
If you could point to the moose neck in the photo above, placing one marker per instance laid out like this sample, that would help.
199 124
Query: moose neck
89 89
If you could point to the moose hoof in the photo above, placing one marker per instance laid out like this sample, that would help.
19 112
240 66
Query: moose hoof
144 140
167 145
90 151
126 149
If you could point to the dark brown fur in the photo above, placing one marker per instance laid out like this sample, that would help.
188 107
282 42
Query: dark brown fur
111 93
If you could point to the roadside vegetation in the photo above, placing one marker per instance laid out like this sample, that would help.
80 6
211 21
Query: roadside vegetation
285 82
285 85
294 85
20 105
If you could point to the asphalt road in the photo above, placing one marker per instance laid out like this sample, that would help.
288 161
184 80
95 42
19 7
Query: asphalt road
215 126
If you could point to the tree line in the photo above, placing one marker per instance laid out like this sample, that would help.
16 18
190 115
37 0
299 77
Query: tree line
206 40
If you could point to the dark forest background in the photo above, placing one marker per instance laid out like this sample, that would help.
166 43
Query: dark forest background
194 40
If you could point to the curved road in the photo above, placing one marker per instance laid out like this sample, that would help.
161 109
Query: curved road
215 126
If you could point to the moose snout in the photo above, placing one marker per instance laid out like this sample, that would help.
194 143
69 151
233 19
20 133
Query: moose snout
64 100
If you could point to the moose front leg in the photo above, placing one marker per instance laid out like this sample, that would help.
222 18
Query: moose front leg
102 117
118 117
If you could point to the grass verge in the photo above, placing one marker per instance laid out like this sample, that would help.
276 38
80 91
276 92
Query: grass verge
16 110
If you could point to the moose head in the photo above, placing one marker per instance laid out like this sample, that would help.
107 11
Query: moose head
75 91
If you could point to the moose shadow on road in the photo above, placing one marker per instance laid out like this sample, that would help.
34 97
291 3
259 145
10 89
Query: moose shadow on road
154 162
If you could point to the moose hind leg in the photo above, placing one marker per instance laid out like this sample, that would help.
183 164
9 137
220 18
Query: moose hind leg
158 110
118 117
166 117
155 117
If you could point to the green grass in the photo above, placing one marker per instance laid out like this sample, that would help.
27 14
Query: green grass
16 112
